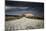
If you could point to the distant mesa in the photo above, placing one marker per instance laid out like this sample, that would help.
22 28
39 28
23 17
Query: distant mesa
28 14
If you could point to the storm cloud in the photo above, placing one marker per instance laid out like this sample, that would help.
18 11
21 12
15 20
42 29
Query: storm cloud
18 7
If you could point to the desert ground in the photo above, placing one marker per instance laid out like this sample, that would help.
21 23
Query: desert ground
24 24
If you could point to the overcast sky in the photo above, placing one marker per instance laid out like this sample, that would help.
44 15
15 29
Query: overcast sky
17 8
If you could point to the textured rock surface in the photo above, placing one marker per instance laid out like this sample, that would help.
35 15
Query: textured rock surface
24 24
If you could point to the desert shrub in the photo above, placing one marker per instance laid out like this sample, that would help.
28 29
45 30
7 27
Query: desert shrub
34 17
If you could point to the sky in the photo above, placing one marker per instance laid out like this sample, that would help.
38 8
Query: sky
19 7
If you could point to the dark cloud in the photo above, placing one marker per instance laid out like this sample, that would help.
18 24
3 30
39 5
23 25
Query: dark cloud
23 4
37 9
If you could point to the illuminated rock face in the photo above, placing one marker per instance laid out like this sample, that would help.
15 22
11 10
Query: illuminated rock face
28 14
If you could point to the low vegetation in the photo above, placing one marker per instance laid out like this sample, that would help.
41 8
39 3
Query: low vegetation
9 17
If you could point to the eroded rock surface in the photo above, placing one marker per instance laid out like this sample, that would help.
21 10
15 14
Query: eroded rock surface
24 23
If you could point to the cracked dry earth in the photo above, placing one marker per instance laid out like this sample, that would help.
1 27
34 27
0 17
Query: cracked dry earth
23 24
